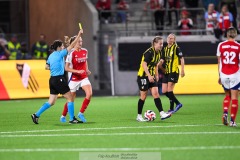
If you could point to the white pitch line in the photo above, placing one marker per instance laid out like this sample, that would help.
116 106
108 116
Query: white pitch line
109 128
117 149
115 134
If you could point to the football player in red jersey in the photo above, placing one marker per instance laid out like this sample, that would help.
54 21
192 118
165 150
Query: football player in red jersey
77 68
228 53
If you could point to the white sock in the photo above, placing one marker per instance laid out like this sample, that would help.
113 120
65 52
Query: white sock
161 113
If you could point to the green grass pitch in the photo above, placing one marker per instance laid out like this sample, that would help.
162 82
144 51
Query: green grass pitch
194 132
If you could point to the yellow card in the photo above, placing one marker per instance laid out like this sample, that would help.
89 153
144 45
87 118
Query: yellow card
80 26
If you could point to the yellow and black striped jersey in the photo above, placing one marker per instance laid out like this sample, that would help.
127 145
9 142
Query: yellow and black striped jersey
151 57
171 57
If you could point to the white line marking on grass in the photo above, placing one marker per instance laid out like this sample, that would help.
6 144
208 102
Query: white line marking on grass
110 128
118 149
115 134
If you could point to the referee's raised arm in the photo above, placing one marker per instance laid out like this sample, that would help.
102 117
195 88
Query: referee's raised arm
75 41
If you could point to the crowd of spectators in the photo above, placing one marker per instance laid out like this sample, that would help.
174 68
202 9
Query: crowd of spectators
219 19
185 12
15 50
219 16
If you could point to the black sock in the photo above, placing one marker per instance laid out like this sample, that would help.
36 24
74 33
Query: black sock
171 101
172 96
158 104
140 106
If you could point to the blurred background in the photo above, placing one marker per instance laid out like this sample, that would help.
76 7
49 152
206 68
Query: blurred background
116 33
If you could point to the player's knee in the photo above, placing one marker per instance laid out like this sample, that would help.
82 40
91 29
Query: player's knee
155 95
143 97
89 96
164 91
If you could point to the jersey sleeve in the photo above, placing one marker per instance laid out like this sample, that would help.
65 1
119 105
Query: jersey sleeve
148 57
69 57
206 15
230 17
64 52
239 52
86 53
179 52
218 50
48 62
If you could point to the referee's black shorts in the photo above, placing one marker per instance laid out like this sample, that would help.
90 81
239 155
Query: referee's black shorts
171 77
58 85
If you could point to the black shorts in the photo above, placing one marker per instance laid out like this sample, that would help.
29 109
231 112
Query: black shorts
144 84
58 85
171 77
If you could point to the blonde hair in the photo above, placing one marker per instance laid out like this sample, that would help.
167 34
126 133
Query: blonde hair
175 41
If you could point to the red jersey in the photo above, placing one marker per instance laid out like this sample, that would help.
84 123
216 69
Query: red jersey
78 61
210 24
154 4
225 21
229 53
185 25
103 4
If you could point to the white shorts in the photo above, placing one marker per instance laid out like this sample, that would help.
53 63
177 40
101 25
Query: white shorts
230 81
75 85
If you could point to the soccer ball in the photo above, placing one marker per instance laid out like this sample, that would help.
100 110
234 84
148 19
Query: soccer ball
150 115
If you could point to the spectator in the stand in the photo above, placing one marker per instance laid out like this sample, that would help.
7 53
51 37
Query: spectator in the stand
104 7
122 8
4 52
211 16
207 2
232 7
173 5
40 50
185 23
14 48
225 20
157 7
25 52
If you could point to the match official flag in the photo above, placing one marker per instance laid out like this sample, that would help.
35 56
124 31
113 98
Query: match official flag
110 54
